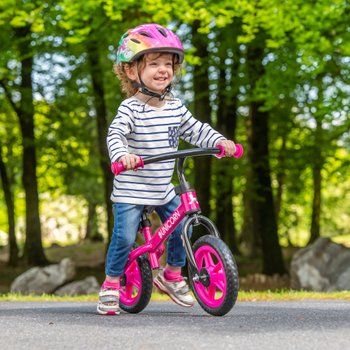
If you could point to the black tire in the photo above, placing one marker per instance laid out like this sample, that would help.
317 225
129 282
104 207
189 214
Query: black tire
217 294
135 297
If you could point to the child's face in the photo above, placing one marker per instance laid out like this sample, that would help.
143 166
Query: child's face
156 71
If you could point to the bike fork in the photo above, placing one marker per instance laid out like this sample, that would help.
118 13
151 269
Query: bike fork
209 225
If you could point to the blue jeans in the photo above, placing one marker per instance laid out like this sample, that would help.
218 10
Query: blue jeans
126 224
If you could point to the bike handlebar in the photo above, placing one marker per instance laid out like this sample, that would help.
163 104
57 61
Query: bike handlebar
118 167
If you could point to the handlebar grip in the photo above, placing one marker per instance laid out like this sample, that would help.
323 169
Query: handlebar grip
237 154
239 151
118 167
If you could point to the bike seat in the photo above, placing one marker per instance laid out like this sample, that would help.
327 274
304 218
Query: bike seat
148 209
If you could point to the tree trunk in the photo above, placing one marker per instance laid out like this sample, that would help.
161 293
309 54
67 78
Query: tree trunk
316 204
263 212
202 111
13 247
281 175
226 124
33 249
317 183
250 238
97 73
280 178
92 232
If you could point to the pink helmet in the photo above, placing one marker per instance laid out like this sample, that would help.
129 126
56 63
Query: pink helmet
148 38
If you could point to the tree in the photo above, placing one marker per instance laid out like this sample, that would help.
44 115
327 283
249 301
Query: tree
24 109
96 71
202 110
6 184
262 204
323 76
227 90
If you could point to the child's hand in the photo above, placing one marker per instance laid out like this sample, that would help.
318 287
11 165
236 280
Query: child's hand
229 147
130 161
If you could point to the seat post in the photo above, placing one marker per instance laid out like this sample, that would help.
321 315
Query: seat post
146 231
145 224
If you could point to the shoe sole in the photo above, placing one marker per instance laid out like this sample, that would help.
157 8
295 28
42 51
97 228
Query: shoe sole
107 313
160 286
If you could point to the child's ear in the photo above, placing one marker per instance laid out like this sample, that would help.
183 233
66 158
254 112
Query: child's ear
131 72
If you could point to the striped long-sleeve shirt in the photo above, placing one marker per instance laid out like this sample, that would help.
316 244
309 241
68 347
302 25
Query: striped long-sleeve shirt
145 131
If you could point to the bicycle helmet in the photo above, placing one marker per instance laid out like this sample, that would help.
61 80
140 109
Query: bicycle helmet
148 38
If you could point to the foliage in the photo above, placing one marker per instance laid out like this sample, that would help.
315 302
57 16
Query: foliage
305 83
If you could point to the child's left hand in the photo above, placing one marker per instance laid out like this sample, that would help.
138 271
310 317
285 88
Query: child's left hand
229 147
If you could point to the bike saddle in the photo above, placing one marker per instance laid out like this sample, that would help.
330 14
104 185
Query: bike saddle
148 209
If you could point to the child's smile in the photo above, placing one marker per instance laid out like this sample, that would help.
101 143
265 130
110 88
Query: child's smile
158 71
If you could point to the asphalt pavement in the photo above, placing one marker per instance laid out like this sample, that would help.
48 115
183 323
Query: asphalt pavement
164 325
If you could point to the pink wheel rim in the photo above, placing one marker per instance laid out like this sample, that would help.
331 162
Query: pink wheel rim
130 293
214 294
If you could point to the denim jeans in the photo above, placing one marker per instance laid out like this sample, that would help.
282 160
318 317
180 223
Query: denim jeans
126 224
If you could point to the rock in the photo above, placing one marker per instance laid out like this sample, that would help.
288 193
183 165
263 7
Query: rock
322 266
44 280
84 287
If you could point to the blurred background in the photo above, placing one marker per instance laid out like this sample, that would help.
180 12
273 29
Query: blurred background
271 75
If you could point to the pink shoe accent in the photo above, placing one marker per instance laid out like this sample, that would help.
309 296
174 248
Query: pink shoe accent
173 276
110 285
111 313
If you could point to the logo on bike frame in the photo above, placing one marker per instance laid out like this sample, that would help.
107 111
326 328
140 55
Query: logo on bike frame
168 224
192 199
173 133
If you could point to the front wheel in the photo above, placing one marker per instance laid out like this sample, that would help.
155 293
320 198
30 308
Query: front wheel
136 286
216 289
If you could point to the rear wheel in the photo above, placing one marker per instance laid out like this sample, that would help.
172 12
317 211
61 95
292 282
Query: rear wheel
136 286
217 288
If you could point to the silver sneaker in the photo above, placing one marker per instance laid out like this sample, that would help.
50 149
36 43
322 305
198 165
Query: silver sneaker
177 291
108 302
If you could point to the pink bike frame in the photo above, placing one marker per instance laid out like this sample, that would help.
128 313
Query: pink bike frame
188 204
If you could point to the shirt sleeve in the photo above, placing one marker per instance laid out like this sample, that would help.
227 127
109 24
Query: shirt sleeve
121 126
197 133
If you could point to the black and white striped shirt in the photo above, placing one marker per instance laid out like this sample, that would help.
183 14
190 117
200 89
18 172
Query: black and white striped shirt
146 130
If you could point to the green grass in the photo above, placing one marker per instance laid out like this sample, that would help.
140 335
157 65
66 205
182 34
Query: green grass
282 295
287 294
49 297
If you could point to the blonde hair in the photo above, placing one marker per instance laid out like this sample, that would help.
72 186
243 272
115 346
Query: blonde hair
127 85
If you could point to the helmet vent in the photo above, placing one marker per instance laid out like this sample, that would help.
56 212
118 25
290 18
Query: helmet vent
162 31
135 41
146 34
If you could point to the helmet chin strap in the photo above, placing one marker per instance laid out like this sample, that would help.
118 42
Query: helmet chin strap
146 91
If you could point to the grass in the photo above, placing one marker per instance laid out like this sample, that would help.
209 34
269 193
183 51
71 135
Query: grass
288 294
281 295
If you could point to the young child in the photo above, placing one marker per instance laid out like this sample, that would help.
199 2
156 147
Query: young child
149 122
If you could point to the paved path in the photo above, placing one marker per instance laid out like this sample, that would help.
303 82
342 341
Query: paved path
164 325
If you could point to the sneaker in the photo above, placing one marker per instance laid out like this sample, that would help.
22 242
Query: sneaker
178 291
108 302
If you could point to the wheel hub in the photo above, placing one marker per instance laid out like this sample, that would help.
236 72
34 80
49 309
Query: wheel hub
204 277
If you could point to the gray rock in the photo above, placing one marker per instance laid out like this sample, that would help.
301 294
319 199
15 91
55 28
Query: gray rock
322 266
44 280
84 287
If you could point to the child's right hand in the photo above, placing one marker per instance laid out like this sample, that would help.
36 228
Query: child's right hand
130 161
